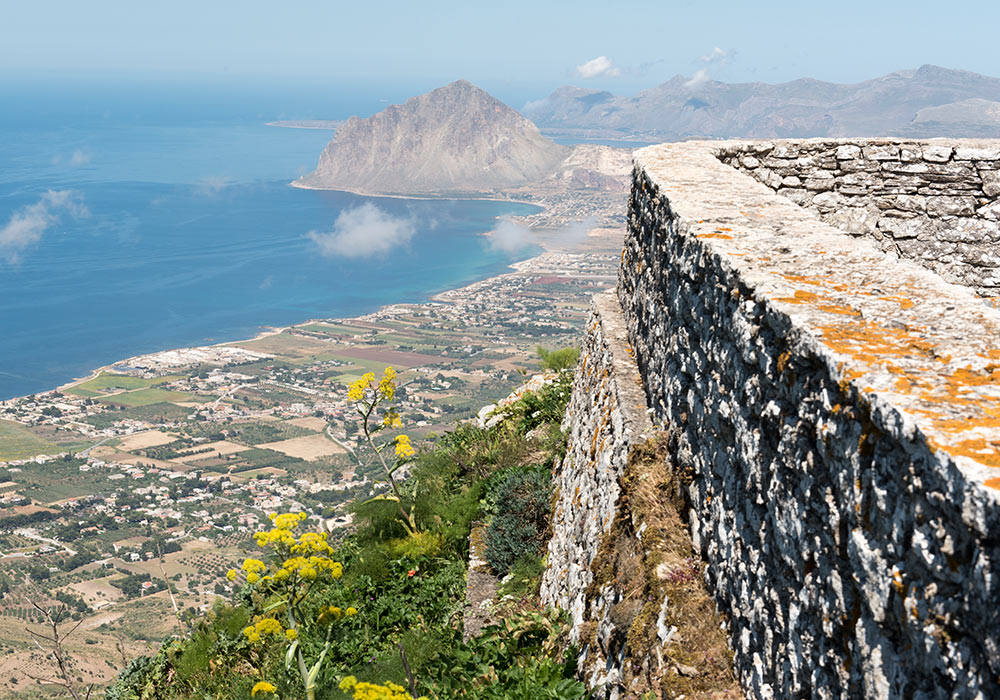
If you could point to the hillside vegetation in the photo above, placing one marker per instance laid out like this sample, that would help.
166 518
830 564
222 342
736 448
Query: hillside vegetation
380 614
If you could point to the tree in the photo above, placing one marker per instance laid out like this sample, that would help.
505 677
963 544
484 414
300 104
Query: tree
53 618
557 360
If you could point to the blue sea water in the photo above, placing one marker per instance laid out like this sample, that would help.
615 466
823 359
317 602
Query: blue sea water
173 224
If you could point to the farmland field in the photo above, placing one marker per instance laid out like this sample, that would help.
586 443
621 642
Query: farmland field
146 397
106 382
17 442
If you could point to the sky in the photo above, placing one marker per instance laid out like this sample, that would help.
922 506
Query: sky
519 47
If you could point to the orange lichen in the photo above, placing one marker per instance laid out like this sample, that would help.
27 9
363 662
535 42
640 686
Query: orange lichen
801 297
837 309
993 483
942 394
713 235
903 302
803 280
783 360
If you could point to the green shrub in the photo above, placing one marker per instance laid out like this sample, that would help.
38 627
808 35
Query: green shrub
520 502
520 659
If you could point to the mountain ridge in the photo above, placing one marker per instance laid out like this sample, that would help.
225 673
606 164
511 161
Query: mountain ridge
683 108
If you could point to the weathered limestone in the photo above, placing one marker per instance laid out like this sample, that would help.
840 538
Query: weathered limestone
839 411
935 202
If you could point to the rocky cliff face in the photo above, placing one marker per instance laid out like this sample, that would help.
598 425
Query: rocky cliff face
454 139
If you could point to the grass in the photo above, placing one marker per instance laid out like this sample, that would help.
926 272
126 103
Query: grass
161 412
106 382
17 442
146 397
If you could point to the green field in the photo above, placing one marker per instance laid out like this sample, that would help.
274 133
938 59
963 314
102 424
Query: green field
85 393
17 442
145 397
106 382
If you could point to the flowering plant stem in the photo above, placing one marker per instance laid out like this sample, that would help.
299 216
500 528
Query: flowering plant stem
368 394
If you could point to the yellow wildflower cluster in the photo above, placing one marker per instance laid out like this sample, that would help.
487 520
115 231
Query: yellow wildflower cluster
309 567
403 447
356 392
392 420
328 615
262 687
252 568
312 543
387 385
263 627
371 691
385 389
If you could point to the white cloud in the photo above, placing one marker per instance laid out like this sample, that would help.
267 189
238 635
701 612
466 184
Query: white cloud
715 54
597 67
79 158
213 186
576 232
700 76
364 231
27 225
509 236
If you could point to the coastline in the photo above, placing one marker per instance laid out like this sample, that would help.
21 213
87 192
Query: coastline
441 196
267 331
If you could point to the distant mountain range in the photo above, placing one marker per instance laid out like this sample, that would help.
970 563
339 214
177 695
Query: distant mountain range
929 101
454 139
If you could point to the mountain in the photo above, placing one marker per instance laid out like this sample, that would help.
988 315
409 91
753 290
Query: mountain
454 139
895 104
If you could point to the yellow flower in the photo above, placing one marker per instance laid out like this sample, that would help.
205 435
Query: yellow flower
291 634
231 574
262 687
351 612
264 626
403 447
253 566
252 578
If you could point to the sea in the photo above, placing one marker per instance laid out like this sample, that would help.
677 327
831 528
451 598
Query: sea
137 217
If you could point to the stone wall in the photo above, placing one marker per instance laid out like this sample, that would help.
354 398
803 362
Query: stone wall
839 414
936 202
620 559
606 417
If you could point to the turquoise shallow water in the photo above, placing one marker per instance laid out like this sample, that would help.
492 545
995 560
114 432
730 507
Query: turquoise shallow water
182 231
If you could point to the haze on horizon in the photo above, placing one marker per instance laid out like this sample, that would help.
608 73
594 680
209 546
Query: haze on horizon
517 50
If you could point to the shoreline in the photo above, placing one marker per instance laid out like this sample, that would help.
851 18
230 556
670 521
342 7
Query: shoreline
443 196
267 331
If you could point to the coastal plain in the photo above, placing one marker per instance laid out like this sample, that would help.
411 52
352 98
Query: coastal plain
130 493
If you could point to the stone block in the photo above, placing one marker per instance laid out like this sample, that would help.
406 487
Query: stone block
937 154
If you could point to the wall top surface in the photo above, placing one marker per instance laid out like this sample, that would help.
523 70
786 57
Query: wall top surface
923 353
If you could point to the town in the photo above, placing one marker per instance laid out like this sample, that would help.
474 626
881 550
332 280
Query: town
128 495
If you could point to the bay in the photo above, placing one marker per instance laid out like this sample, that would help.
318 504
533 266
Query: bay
162 235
